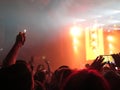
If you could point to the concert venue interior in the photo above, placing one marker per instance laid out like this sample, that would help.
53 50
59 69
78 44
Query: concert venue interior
64 32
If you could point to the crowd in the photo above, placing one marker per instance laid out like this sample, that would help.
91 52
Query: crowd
18 74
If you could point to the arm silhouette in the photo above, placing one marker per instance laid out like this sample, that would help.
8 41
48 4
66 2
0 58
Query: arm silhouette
11 57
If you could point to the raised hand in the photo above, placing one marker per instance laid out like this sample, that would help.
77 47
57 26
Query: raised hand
112 66
20 39
11 57
98 63
116 59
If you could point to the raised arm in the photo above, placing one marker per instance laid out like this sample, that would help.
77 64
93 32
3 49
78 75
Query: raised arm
11 57
98 63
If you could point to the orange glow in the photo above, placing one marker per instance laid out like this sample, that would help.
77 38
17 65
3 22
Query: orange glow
75 31
76 34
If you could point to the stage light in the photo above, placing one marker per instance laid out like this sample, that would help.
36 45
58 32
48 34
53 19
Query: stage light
75 31
110 38
94 35
75 41
25 31
94 44
110 46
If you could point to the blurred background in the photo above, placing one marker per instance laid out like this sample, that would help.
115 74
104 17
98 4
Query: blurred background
64 32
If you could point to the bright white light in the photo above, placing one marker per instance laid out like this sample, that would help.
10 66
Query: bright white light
110 38
75 31
116 68
24 30
75 41
94 35
94 43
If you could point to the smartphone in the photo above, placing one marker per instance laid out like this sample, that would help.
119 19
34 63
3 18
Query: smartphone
108 58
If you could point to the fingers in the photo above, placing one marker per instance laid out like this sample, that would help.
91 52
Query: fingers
21 38
103 64
99 59
98 63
